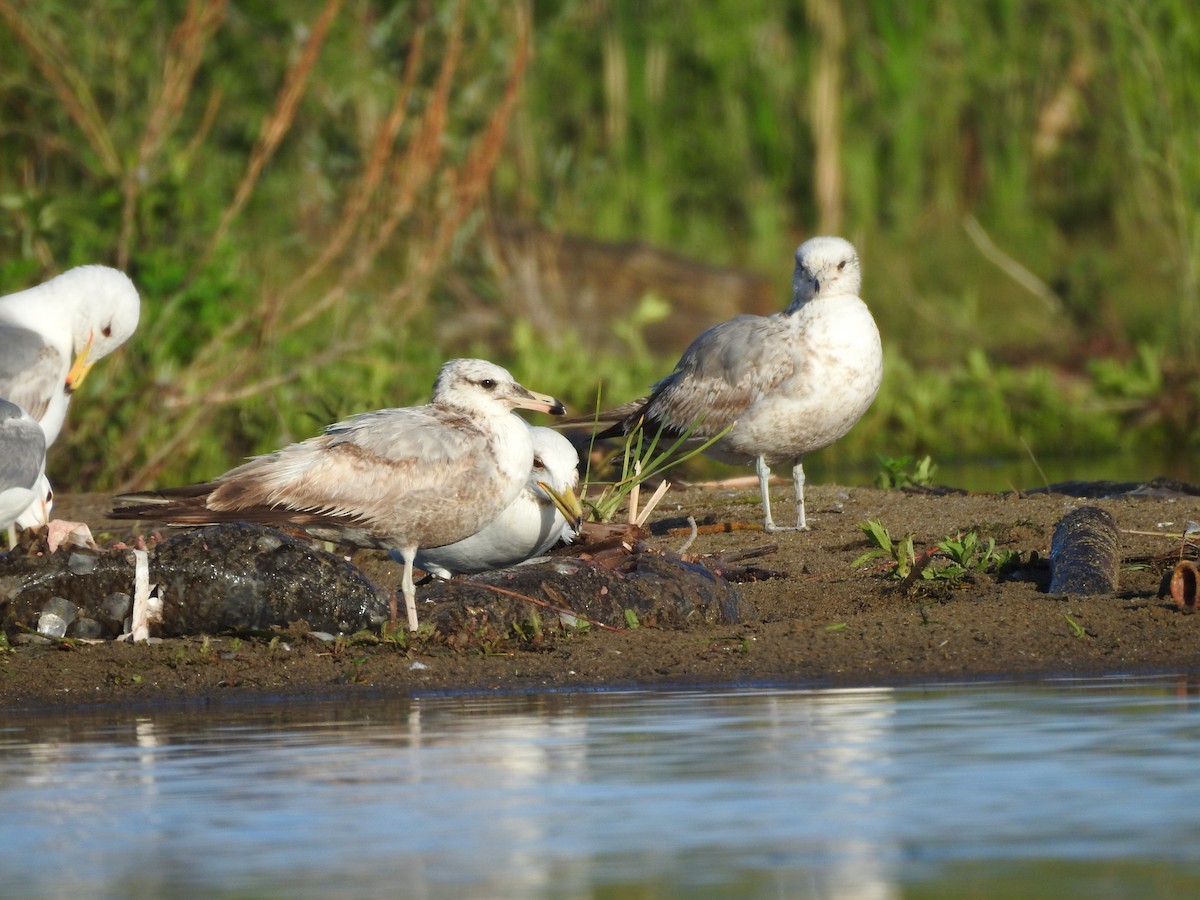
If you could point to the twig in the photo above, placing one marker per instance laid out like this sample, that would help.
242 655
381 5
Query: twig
550 606
654 498
1010 266
691 520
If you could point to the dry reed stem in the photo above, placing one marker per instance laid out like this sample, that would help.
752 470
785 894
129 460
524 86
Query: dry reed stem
408 174
391 181
275 127
825 111
356 205
280 120
54 62
184 52
471 181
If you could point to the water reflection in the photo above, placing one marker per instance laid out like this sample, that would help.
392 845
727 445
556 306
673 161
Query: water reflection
841 793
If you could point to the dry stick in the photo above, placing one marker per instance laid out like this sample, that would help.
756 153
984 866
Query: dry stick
1010 266
481 162
407 174
653 502
278 123
184 53
551 607
364 190
69 85
274 128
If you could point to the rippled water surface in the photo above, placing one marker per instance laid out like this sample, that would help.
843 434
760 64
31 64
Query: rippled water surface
1088 787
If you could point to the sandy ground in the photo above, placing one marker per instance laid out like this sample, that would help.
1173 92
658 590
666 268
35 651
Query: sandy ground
825 622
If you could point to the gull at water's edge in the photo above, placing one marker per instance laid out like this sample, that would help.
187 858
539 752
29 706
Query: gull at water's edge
393 479
788 383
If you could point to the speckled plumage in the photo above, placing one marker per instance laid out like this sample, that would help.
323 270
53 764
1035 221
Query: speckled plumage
530 525
789 383
395 479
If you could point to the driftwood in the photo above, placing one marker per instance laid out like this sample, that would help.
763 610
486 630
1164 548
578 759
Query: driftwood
1084 553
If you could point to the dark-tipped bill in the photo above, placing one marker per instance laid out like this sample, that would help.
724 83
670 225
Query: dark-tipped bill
537 402
568 504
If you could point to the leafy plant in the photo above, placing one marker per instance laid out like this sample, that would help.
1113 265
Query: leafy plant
641 459
901 472
953 559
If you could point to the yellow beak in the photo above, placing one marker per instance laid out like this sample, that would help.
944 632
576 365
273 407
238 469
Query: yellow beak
568 504
80 367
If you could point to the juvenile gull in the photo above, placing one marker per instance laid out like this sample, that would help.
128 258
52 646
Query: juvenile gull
546 511
393 479
22 465
789 383
52 334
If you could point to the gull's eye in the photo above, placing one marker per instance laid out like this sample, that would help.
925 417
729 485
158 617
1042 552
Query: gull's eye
537 463
488 384
107 330
841 265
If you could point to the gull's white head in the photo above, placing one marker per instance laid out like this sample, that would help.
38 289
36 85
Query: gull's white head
555 475
478 387
103 307
825 267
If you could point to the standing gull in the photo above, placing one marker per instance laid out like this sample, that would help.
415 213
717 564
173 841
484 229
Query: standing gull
545 512
788 383
52 334
22 465
393 479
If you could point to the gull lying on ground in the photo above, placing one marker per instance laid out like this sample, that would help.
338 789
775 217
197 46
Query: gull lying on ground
789 383
23 485
545 512
393 479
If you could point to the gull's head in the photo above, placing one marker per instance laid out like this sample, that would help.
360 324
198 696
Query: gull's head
825 267
105 311
479 387
555 475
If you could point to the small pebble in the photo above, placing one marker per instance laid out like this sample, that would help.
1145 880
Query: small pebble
81 564
417 666
324 636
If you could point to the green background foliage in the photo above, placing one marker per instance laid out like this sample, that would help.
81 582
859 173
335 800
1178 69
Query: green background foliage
313 198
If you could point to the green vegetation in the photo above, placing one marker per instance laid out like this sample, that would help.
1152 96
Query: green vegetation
904 472
315 200
953 559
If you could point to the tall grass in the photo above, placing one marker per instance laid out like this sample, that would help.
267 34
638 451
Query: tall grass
277 237
298 189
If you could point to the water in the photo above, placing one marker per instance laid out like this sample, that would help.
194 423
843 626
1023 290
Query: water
1084 787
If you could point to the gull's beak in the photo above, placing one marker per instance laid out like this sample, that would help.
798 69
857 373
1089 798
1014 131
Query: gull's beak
523 398
568 504
80 367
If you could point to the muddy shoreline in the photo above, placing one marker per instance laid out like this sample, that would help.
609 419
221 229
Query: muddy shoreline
826 623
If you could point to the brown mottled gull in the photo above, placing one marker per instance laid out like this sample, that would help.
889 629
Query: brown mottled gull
545 512
789 383
393 479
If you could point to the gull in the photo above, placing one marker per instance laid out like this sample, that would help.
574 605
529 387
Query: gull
545 512
22 466
784 384
393 479
52 334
